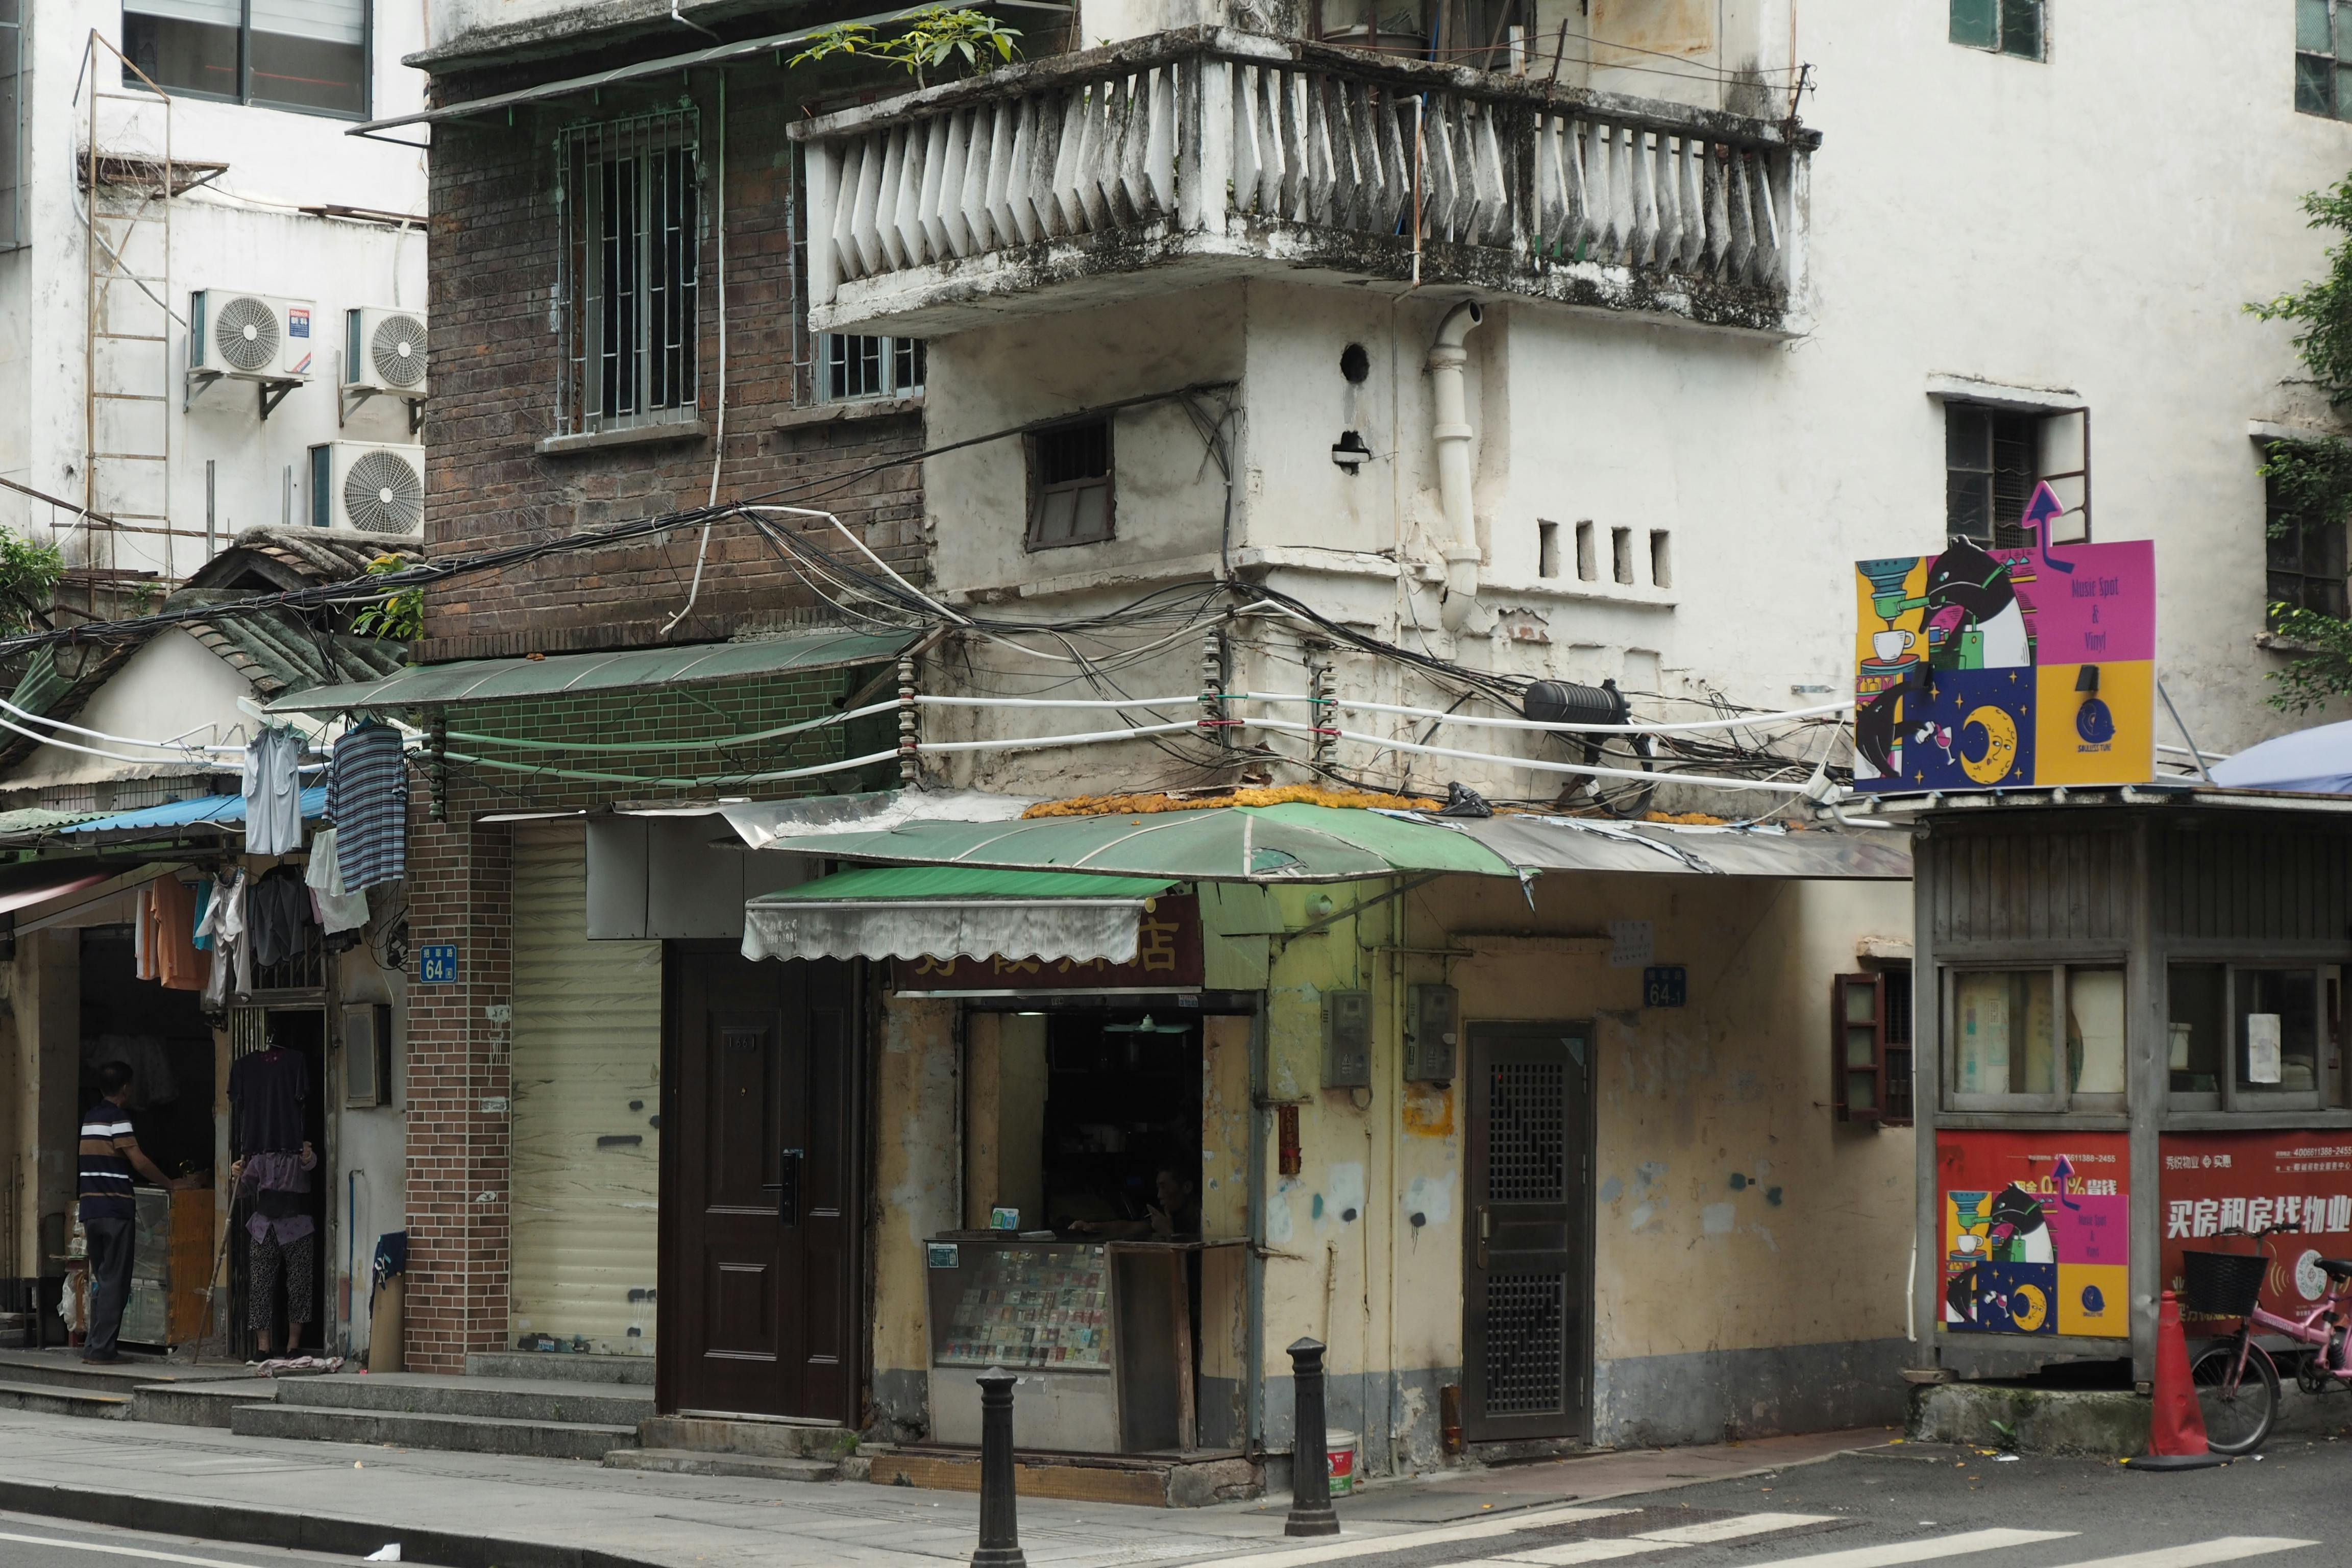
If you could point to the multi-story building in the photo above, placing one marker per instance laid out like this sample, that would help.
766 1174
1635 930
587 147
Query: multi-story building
185 236
1295 396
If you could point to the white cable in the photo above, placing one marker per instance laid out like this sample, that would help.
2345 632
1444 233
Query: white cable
960 620
89 751
1287 727
718 441
1085 740
1192 702
721 744
32 717
1742 723
870 757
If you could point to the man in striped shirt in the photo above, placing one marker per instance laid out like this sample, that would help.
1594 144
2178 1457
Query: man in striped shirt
109 1211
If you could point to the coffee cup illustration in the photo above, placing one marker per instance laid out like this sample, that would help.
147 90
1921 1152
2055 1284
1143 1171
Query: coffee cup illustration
1890 646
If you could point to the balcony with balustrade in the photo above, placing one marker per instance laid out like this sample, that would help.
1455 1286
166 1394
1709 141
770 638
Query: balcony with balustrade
1206 154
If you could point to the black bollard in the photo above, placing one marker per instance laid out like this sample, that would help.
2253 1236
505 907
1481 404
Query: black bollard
1000 1528
1310 1459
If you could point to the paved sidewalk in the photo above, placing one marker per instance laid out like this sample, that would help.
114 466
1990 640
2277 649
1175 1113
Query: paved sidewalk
479 1510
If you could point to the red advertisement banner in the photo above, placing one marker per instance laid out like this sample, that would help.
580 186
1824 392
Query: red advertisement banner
2213 1182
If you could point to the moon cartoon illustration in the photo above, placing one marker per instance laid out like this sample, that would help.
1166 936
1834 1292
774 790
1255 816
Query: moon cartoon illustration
2000 745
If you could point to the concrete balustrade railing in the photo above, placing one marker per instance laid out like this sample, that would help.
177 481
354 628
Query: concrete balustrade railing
1222 149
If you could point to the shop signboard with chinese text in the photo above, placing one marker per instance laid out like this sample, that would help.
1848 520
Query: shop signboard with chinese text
2217 1182
1167 958
2036 1232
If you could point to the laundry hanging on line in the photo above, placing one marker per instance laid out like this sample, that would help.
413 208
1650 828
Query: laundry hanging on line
367 800
273 793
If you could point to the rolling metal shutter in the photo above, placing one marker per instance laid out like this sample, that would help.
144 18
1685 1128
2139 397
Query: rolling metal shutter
587 1096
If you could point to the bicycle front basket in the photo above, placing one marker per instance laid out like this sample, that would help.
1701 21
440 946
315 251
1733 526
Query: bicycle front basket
2221 1284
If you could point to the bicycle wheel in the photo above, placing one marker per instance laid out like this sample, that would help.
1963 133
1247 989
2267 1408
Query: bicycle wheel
2238 1410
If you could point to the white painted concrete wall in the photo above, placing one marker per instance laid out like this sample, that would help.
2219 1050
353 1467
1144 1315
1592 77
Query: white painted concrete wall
2093 222
243 232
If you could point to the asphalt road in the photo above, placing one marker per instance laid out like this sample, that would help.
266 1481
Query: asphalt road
28 1542
1953 1508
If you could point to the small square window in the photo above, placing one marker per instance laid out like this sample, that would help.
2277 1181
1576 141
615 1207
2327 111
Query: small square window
2304 559
2003 27
1070 485
1991 461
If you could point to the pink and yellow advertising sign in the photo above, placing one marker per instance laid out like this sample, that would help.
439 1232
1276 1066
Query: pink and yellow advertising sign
2003 669
2036 1232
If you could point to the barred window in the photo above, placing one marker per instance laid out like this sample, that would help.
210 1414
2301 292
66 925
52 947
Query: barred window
629 199
857 367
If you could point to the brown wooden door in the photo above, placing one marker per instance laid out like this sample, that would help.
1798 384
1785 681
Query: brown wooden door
1526 1300
759 1198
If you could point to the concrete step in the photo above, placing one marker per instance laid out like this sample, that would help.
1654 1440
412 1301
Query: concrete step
761 1439
66 1369
566 1366
56 1399
206 1404
453 1434
693 1462
512 1399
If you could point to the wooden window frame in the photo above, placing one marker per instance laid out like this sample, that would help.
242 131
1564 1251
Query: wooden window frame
1040 488
1893 1013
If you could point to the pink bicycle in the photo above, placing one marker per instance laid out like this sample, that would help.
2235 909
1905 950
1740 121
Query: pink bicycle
2237 1378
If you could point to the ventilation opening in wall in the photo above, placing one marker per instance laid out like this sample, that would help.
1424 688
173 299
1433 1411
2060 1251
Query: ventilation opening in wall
1621 555
1662 563
1588 569
1546 550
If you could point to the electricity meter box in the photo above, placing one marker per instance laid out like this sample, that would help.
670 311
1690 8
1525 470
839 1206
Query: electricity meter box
1347 1039
1433 1031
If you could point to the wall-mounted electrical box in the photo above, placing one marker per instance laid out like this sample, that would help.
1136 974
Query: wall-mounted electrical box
1432 1032
367 1055
1347 1039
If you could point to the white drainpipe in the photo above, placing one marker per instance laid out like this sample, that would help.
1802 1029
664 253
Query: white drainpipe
1450 429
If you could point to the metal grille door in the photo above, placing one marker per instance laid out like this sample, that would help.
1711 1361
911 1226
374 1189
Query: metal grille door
1526 1292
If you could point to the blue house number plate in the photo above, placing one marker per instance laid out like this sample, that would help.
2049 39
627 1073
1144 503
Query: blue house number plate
1665 985
436 963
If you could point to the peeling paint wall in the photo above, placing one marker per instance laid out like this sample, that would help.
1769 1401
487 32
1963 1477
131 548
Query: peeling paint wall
916 1165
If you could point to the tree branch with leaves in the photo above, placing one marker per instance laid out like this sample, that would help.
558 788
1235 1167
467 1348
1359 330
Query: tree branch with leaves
933 37
2311 481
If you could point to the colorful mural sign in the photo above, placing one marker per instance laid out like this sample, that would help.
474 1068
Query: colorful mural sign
2000 668
2213 1182
2036 1232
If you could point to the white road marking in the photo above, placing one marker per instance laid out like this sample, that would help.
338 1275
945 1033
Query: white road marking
1573 1552
2227 1549
137 1551
1900 1551
1732 1529
1364 1546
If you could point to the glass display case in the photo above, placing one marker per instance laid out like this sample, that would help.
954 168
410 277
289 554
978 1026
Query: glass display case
1029 1306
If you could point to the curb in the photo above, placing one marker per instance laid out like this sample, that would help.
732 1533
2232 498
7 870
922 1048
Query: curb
237 1525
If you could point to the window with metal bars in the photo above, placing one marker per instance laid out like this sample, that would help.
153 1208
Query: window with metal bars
1991 462
2323 57
1070 485
2003 27
629 198
861 367
2304 556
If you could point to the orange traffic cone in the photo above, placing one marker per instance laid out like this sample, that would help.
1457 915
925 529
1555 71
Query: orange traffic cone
2176 1427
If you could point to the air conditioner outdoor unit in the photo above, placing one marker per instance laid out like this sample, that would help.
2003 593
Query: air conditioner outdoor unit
369 486
252 337
384 352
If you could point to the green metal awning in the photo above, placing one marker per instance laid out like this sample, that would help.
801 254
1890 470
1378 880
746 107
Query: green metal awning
1222 843
504 680
952 911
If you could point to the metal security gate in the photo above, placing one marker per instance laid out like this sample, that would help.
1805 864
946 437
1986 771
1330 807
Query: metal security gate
1526 1286
586 1086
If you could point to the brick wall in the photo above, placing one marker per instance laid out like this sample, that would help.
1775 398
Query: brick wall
494 243
460 890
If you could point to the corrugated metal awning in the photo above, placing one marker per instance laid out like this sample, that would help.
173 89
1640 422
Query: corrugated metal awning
952 911
203 811
504 680
1583 844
